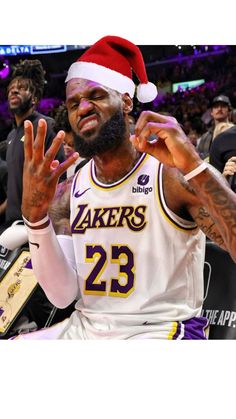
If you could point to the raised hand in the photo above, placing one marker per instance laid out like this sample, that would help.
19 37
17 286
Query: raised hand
172 147
41 171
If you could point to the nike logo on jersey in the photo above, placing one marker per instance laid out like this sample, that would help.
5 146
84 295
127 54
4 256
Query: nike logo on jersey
78 193
35 244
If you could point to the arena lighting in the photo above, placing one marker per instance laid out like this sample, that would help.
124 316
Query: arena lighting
211 51
4 68
184 85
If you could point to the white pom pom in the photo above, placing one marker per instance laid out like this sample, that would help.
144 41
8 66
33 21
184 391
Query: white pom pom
146 92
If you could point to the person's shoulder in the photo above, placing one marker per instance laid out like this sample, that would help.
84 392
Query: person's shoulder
11 133
37 115
81 164
205 135
3 165
50 126
228 133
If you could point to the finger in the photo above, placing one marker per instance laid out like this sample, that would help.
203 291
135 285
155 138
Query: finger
228 173
135 141
158 129
28 140
53 149
149 116
54 164
155 148
142 142
38 144
230 165
229 170
62 167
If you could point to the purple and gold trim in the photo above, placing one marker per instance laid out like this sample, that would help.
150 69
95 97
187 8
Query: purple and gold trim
192 329
184 226
115 185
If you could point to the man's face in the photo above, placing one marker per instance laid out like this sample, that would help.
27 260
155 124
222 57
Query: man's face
220 112
96 116
19 96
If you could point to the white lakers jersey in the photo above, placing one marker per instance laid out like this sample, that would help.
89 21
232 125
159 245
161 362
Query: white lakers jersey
138 263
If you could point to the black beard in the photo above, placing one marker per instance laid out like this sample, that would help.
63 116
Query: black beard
23 107
111 135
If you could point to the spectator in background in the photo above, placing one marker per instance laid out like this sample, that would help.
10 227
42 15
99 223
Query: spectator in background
230 172
233 116
196 130
220 112
223 154
131 124
62 123
221 127
3 149
24 92
3 190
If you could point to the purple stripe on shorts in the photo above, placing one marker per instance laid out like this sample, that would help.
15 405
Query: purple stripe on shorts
195 328
177 331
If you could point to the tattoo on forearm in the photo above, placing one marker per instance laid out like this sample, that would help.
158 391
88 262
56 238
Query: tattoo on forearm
225 205
220 202
202 220
59 210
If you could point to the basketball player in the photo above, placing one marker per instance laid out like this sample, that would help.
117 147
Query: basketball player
138 210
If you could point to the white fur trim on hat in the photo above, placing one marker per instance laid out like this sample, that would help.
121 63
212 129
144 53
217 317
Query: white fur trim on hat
102 75
146 92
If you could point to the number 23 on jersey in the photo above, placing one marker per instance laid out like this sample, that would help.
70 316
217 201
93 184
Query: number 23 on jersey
123 284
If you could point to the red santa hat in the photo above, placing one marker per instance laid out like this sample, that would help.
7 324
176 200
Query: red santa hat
110 62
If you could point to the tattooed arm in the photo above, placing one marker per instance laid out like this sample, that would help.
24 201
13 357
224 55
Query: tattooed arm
54 265
217 215
184 201
59 209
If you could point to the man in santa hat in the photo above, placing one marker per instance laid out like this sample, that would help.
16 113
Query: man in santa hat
138 210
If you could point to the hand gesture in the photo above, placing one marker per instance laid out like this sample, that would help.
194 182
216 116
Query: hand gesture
172 147
41 171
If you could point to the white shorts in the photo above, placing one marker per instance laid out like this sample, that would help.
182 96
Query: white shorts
79 327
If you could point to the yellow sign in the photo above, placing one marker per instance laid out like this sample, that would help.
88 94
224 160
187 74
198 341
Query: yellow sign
16 287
